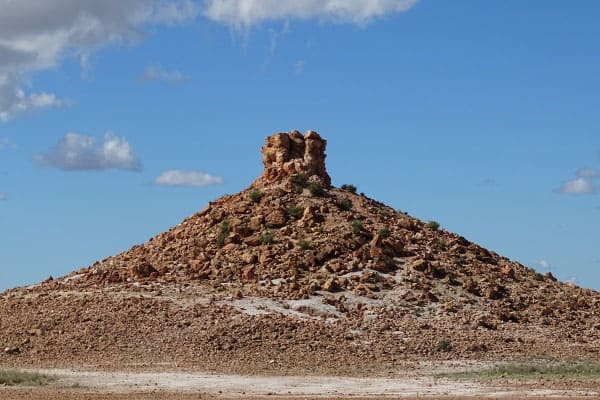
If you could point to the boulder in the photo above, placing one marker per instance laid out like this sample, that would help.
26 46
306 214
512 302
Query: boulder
276 219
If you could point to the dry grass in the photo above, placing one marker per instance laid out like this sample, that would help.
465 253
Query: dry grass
583 370
21 378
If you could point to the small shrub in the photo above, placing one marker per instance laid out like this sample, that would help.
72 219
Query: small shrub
344 204
299 180
434 225
315 189
303 244
223 233
357 226
255 196
443 345
384 233
349 188
295 211
539 277
441 245
267 238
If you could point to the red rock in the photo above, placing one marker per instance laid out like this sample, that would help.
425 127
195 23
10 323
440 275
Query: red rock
287 154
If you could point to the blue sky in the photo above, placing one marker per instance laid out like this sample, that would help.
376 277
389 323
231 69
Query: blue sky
120 118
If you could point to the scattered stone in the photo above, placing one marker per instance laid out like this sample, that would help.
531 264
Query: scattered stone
12 350
213 291
331 285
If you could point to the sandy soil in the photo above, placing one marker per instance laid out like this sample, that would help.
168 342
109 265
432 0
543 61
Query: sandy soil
75 384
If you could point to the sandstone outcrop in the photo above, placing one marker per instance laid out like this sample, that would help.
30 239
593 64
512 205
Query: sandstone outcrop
288 154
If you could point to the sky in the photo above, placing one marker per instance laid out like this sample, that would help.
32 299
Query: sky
120 118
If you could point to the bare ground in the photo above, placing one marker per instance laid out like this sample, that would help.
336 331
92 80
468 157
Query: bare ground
423 382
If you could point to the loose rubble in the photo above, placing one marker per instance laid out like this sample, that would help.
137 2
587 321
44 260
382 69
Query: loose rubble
293 273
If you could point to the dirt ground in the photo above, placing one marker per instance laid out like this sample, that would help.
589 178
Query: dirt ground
92 385
55 395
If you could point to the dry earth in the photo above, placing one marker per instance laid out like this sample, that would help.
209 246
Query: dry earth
420 382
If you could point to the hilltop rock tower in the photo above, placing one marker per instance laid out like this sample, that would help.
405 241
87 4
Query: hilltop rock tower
290 153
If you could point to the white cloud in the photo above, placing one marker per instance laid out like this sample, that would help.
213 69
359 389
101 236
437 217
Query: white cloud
245 13
578 186
154 73
177 177
543 264
586 172
13 99
36 35
3 196
80 152
299 66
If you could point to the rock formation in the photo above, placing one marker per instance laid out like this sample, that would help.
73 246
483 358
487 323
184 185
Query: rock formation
287 154
281 277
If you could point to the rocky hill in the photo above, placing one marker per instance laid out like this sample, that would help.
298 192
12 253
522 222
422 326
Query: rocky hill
294 274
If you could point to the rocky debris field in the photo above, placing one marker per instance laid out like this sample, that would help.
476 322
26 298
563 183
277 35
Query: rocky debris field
293 274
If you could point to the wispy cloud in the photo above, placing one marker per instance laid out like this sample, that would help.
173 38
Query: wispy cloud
177 177
3 196
13 99
155 73
544 265
38 35
587 172
80 152
243 14
299 66
5 143
578 186
586 181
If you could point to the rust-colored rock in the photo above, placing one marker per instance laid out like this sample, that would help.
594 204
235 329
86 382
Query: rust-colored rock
287 154
142 270
243 283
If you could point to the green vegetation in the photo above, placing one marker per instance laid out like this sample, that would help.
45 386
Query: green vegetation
384 232
295 212
443 345
539 277
21 378
357 226
255 195
267 237
315 189
223 233
349 188
588 370
433 225
303 244
344 204
441 245
299 180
